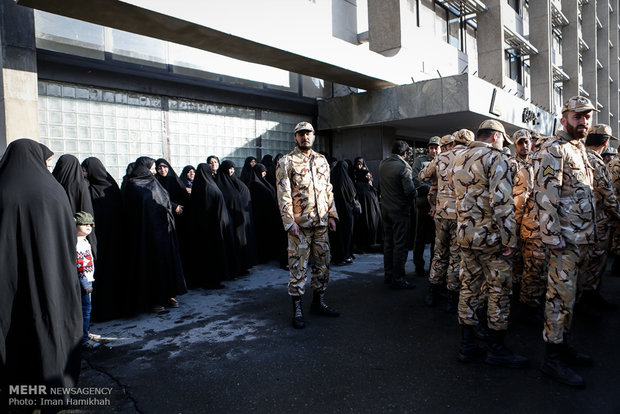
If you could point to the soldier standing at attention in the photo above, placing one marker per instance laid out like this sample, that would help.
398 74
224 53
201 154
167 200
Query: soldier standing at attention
486 232
424 224
607 214
565 199
307 207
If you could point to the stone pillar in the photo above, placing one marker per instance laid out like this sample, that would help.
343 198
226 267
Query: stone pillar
541 69
19 113
602 54
390 26
570 49
589 68
490 39
614 97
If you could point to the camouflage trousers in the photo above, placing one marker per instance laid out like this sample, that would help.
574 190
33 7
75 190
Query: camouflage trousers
590 279
311 243
615 239
445 264
485 278
518 265
534 281
564 268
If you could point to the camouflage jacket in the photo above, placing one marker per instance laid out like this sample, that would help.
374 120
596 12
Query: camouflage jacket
438 171
484 206
607 206
304 191
526 212
516 163
614 171
563 192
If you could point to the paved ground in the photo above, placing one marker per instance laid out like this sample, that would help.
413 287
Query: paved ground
234 351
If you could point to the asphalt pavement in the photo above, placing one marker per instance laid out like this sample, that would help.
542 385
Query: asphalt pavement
234 351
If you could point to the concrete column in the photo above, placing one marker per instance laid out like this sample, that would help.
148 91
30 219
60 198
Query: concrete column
602 53
490 39
390 26
541 69
19 112
614 97
570 48
590 68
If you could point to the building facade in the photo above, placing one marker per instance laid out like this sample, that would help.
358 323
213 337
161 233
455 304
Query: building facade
122 79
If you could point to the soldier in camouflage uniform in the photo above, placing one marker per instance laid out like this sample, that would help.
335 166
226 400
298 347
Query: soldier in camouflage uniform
424 225
614 171
445 263
307 207
565 201
534 252
607 214
608 154
486 232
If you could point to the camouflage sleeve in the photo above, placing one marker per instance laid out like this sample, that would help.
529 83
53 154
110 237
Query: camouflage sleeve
614 172
547 186
520 193
417 167
606 191
429 173
432 196
500 200
285 199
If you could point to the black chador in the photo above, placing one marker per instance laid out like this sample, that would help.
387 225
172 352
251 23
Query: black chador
344 198
153 260
368 228
40 302
211 257
109 288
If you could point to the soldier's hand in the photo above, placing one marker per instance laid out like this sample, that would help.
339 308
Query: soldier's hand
560 245
507 251
294 230
332 224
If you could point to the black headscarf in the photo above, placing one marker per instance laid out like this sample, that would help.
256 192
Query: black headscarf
267 219
153 259
267 161
211 246
173 184
246 172
40 299
271 171
344 198
367 234
68 172
239 204
184 178
356 169
108 289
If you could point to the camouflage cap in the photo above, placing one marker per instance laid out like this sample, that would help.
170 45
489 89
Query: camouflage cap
540 140
602 129
494 125
464 136
303 126
609 150
446 139
84 217
579 104
521 134
434 141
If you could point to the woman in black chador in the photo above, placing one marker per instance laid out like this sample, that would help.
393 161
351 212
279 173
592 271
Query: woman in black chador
367 235
246 171
152 257
239 204
267 219
40 299
211 257
68 172
344 197
109 287
187 177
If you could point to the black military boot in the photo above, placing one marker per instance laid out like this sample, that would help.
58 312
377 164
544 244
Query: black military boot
499 354
469 348
318 306
556 368
298 313
574 358
433 295
453 302
586 307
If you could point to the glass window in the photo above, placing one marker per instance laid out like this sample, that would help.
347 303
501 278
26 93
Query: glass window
454 31
515 4
66 35
514 66
137 48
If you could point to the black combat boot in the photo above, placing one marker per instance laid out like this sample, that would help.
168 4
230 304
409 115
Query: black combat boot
318 306
453 302
499 354
574 358
433 295
298 313
585 306
556 368
469 348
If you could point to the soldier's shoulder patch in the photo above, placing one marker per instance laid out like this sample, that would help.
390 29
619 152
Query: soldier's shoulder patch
548 171
602 182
